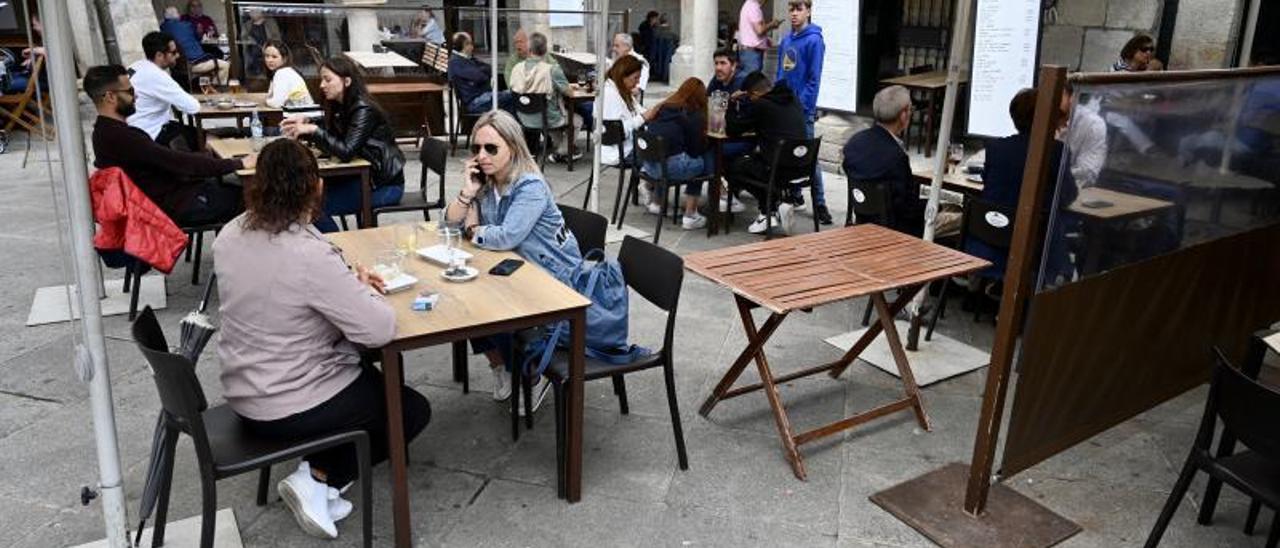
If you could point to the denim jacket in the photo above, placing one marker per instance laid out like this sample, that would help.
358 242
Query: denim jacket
528 221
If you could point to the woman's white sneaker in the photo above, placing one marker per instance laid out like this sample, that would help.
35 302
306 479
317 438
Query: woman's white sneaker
737 206
309 501
339 508
654 208
501 384
693 223
762 223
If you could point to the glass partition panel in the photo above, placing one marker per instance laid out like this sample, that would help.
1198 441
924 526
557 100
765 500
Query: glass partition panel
1150 168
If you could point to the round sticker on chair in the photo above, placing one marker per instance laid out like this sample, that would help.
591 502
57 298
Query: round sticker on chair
643 144
859 196
800 151
997 219
524 99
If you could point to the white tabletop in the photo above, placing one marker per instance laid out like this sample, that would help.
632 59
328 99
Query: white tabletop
369 59
581 57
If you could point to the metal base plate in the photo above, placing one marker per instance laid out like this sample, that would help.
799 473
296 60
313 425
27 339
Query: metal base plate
933 504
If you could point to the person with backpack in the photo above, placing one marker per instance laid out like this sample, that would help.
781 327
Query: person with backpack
505 204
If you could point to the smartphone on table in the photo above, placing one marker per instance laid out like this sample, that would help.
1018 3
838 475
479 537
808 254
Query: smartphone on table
506 267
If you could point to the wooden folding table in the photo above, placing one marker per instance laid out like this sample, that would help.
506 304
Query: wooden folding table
802 272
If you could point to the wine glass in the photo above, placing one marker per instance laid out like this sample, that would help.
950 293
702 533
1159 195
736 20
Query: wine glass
955 155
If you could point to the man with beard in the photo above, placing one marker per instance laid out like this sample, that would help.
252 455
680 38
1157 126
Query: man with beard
178 182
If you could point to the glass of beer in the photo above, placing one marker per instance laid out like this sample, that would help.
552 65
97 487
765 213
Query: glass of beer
206 85
234 86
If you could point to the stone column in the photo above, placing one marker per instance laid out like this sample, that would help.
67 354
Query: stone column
697 41
133 19
363 25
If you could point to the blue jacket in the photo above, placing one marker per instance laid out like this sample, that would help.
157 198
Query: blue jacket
735 83
184 35
874 155
469 77
800 65
684 131
528 221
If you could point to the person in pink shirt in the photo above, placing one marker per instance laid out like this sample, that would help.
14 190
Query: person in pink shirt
753 37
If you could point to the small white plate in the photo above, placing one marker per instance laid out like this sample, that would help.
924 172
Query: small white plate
245 104
399 283
439 254
468 273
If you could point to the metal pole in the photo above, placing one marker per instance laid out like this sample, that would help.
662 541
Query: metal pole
493 50
1250 28
103 11
66 115
957 64
597 132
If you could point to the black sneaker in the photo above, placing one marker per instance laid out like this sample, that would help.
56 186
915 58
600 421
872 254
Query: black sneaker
824 216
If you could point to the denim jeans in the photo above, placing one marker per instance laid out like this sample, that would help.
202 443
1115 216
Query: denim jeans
819 192
682 167
751 60
484 102
342 197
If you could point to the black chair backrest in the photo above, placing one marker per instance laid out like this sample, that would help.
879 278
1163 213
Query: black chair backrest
655 273
175 376
650 147
989 223
869 201
587 227
433 156
531 103
1248 408
614 134
794 160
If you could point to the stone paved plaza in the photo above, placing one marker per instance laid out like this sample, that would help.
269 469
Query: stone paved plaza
472 486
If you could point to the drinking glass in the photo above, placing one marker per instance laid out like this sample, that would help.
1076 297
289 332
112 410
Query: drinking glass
955 155
451 234
205 86
406 239
387 265
234 84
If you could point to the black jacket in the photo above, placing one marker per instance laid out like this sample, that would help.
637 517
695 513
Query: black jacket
362 131
873 155
775 115
469 77
685 131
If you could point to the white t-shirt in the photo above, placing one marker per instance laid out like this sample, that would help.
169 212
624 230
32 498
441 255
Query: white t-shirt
614 108
288 87
155 93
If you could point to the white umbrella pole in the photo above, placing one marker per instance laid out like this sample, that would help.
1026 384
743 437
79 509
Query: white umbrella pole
597 131
493 50
66 116
957 64
1250 28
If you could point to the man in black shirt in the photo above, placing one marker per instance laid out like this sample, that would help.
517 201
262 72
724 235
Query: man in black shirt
772 112
176 181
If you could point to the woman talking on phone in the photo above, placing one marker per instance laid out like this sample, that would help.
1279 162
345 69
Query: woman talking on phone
354 127
506 205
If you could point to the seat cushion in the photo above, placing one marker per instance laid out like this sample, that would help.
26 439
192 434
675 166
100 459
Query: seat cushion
235 450
595 369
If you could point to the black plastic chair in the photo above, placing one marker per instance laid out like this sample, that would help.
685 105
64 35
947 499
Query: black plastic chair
792 163
133 267
461 121
535 104
1248 411
657 275
982 221
590 229
223 447
868 203
433 155
614 136
652 149
195 243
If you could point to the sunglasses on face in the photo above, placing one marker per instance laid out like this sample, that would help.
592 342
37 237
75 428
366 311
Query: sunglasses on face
488 148
1147 49
126 90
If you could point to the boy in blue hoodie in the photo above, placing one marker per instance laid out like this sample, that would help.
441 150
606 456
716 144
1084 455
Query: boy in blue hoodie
800 66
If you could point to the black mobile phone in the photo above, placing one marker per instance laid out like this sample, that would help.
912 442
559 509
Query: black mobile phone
506 267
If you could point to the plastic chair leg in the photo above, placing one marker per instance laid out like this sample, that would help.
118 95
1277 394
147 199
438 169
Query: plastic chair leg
1252 519
1171 505
208 511
264 484
195 268
677 429
620 389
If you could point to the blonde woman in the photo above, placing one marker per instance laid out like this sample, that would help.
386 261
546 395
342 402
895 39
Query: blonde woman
506 205
287 86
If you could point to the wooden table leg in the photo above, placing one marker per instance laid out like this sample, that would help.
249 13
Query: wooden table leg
754 349
713 193
366 199
900 357
792 452
574 421
392 379
904 296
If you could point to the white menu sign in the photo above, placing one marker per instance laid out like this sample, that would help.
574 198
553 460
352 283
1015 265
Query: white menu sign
1005 43
840 32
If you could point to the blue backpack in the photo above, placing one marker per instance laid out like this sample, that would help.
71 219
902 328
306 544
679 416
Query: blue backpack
600 279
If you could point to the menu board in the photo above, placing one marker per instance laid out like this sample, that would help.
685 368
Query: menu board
838 89
559 20
1005 45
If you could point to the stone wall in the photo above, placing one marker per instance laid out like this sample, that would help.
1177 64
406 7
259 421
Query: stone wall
1086 35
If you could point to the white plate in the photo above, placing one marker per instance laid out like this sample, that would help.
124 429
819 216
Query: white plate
245 104
468 273
399 283
439 254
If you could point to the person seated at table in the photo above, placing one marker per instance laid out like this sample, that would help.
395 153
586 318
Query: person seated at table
176 181
470 78
622 105
505 204
682 121
293 318
537 75
622 48
521 42
157 94
427 28
771 112
354 127
20 74
287 86
199 61
1138 55
877 155
205 26
254 35
1085 135
728 75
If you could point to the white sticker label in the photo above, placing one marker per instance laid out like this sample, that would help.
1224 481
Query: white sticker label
859 196
800 151
524 99
997 219
643 144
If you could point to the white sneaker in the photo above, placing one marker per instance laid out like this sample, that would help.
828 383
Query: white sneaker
761 223
786 214
539 393
339 508
501 384
653 208
693 223
643 193
741 196
737 206
309 500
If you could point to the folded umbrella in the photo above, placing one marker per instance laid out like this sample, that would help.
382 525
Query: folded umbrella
197 329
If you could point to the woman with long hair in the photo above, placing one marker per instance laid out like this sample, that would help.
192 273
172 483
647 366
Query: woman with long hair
354 127
682 121
620 104
293 319
287 86
505 204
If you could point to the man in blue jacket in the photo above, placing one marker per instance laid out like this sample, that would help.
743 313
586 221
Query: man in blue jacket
800 66
470 78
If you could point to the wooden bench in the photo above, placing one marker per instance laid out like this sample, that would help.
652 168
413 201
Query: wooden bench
435 58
